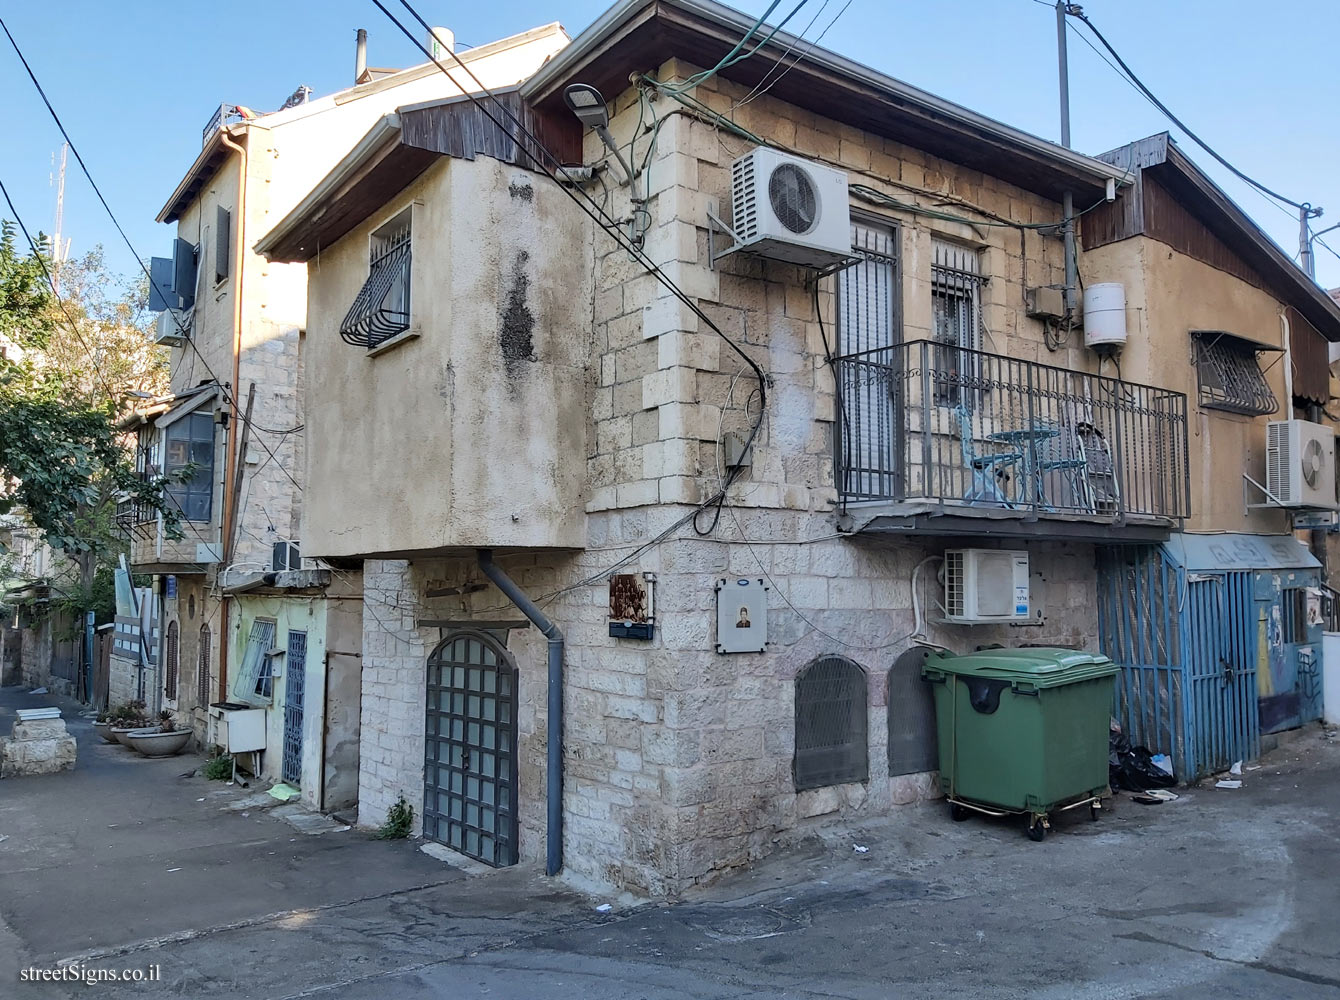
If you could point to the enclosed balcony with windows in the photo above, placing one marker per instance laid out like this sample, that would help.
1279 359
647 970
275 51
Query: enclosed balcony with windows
939 436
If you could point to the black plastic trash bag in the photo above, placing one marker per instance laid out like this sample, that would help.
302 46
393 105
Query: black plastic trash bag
1133 768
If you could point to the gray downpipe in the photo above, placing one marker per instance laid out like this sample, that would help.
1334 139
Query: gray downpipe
554 734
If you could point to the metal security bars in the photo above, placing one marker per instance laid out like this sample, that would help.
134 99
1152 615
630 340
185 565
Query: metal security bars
1229 375
255 681
381 308
295 676
956 310
1014 435
202 668
830 724
869 325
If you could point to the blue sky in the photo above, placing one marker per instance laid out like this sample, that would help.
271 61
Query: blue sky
136 81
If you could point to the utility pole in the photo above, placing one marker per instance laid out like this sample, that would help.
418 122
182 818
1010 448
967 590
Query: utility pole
1068 198
1305 259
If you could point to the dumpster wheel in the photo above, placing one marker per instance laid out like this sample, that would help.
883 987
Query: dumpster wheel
1037 828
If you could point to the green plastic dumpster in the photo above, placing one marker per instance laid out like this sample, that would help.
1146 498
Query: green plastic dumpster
1022 731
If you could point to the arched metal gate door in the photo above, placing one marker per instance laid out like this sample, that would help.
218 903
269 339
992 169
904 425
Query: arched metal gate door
470 772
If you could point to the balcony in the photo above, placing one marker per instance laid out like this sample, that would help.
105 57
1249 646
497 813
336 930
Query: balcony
937 439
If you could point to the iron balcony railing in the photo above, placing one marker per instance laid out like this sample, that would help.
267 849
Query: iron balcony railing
926 422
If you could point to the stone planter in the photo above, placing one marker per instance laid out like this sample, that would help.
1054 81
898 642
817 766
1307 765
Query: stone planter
152 743
104 729
121 734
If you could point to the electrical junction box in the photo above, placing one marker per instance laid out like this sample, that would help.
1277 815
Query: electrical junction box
983 586
1044 303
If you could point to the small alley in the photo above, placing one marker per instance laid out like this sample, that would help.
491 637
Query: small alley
128 863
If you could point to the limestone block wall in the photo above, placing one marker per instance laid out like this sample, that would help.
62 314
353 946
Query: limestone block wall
667 386
678 759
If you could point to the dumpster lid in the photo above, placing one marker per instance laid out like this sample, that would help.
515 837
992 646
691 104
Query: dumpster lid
1236 550
1044 666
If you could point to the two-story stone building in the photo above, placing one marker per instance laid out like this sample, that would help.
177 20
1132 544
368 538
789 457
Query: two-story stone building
525 434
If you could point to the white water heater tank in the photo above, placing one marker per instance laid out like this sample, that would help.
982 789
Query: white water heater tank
1105 316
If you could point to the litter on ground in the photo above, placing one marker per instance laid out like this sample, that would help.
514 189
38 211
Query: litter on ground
1228 783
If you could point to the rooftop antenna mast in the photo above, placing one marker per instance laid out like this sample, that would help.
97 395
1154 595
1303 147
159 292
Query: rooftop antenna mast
59 250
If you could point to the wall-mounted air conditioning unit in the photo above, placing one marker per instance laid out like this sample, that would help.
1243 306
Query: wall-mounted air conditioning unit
986 585
1300 463
171 328
790 209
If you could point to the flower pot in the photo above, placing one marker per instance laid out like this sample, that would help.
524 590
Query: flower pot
152 743
104 729
121 734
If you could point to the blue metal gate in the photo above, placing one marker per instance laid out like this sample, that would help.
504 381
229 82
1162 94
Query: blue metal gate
1186 643
295 669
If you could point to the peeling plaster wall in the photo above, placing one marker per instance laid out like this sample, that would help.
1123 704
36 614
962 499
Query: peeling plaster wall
469 433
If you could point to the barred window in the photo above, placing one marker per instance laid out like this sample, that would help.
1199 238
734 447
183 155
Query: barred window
381 308
255 679
171 664
956 311
1230 374
830 724
202 669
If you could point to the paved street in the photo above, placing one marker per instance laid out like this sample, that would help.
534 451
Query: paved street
129 864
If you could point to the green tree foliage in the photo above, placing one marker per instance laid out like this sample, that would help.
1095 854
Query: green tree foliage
63 379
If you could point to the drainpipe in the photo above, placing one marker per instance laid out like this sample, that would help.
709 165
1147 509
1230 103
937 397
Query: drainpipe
233 460
554 734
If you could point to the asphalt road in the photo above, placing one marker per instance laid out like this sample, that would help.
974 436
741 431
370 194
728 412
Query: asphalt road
125 864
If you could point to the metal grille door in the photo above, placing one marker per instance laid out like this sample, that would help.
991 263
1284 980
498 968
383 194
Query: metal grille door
295 669
470 772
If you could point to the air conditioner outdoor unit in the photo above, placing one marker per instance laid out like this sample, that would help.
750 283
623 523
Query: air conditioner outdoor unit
986 585
790 209
1300 463
168 329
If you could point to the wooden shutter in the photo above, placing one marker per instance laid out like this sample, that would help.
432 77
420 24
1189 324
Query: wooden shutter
223 244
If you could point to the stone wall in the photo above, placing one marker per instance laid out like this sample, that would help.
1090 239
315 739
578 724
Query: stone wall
678 759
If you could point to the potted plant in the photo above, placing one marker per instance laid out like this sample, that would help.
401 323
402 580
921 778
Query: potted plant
103 726
162 740
126 719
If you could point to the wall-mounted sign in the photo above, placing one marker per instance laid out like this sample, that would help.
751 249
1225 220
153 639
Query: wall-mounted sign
742 615
632 614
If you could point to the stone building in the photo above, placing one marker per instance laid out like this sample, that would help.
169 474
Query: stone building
717 519
246 616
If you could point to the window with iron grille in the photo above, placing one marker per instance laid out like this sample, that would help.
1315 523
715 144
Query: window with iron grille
956 319
830 724
869 327
381 308
1230 375
255 678
171 663
202 669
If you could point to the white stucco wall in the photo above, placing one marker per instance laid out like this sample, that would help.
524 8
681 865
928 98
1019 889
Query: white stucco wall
473 432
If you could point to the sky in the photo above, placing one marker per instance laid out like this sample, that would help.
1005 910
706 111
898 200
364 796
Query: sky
135 81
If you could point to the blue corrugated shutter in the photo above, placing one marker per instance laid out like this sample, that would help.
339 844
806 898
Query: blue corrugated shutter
160 284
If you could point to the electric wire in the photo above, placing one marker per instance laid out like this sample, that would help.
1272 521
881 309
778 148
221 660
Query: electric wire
55 291
763 85
1149 94
229 394
636 252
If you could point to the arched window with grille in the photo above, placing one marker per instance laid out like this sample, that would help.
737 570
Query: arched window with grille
202 669
170 661
831 743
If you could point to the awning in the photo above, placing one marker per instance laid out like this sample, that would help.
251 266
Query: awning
188 403
1233 550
